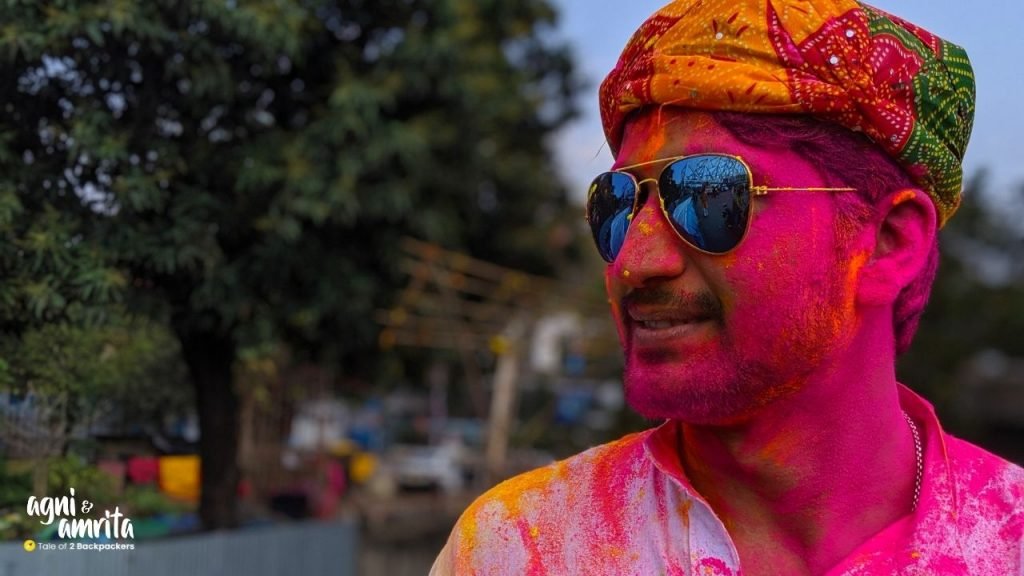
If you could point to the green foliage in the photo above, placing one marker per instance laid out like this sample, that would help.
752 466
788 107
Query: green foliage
250 165
126 372
145 501
16 526
63 473
88 481
244 170
15 487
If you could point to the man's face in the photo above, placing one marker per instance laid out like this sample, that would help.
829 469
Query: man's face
709 339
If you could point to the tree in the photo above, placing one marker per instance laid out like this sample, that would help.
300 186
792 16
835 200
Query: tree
69 378
246 168
126 373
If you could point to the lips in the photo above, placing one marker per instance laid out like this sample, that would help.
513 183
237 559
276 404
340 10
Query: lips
659 324
654 326
664 324
658 315
655 318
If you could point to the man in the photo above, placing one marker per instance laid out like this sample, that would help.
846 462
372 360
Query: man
764 330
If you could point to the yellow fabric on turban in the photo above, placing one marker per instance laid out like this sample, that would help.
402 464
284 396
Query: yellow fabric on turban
909 91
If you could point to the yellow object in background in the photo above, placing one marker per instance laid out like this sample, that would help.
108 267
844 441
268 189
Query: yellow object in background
362 466
499 345
179 477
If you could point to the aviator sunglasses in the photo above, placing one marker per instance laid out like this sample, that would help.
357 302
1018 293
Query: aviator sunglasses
705 197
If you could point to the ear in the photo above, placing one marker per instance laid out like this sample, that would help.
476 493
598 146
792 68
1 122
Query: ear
904 233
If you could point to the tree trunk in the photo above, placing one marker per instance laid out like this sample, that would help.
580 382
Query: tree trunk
210 358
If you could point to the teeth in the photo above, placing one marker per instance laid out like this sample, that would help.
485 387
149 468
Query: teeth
664 324
658 324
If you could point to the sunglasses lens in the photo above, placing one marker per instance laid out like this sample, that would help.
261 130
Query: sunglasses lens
707 199
609 204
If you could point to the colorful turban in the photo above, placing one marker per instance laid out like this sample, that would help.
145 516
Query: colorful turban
908 90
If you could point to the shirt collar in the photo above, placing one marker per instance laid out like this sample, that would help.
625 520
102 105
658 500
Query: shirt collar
934 520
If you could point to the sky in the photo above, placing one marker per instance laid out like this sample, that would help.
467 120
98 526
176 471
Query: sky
990 31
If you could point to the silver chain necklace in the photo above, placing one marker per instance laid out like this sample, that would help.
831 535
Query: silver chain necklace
919 457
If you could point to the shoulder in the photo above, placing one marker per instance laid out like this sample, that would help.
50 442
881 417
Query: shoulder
501 526
533 492
981 473
990 494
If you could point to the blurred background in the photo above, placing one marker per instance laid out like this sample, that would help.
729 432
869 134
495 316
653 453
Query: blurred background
289 282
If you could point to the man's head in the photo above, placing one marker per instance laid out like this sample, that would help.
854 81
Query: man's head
712 337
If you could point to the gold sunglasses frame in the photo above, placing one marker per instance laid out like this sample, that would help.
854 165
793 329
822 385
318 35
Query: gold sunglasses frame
755 191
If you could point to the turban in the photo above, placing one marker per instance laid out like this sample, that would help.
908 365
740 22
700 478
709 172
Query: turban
909 91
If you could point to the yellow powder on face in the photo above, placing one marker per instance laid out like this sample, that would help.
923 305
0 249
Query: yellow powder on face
727 260
903 197
857 262
645 140
851 282
773 393
645 228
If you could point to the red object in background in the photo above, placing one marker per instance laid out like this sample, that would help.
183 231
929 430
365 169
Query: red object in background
143 470
116 470
244 489
336 477
331 491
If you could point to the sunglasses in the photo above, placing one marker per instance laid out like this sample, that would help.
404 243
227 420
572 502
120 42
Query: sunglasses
705 197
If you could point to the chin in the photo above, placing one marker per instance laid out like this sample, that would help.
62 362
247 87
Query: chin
705 396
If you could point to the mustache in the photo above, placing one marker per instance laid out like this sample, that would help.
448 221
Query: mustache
703 303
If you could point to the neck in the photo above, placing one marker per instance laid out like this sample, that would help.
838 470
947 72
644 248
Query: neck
815 474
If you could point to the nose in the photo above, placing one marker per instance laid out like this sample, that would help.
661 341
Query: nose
651 251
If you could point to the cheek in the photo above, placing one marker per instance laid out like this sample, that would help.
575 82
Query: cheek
612 289
791 288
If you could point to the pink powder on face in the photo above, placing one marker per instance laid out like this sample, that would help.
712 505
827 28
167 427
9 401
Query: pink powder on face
784 293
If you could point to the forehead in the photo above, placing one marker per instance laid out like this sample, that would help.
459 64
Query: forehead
656 133
666 132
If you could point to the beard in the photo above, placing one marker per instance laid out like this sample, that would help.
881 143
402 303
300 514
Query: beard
706 393
746 365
